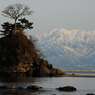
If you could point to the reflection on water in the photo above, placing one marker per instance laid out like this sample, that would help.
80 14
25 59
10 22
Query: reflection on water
43 92
83 85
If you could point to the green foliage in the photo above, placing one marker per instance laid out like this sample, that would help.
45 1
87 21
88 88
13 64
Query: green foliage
24 23
9 28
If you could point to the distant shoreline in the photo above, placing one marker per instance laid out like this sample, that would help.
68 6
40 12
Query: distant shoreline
79 75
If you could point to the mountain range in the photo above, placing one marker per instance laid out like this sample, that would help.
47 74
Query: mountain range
66 48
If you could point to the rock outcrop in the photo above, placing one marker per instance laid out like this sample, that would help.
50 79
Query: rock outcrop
18 55
17 52
67 89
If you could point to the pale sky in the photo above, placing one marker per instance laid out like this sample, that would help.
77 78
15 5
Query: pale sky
51 14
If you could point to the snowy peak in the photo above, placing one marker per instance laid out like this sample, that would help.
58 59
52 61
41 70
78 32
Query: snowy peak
69 47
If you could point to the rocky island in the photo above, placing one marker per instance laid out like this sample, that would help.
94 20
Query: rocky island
19 55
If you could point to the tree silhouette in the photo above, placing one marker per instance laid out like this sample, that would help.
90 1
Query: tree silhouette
25 24
8 28
16 11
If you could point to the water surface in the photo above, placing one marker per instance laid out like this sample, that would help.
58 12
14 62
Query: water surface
83 85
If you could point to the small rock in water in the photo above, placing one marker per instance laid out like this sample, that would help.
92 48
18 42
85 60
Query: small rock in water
33 88
19 88
3 87
67 89
90 94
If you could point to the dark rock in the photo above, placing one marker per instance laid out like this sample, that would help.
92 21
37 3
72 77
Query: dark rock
56 72
67 89
19 57
90 94
20 88
17 53
3 87
33 88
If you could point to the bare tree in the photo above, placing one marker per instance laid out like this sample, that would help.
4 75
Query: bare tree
16 11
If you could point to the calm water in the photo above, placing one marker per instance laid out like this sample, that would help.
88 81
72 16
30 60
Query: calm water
84 85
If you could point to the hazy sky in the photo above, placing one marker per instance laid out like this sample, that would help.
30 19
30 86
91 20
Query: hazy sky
50 14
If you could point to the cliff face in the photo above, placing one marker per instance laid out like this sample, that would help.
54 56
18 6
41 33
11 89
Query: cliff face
18 54
17 51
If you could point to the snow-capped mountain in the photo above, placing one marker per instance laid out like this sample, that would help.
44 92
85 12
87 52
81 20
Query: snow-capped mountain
64 47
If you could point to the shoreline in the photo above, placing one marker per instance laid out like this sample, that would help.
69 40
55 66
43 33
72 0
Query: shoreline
79 75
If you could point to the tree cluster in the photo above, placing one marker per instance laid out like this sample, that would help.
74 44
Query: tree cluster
16 12
9 28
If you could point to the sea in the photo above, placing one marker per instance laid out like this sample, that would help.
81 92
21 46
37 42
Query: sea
84 85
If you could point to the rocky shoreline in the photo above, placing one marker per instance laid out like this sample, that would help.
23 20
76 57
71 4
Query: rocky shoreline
35 88
19 57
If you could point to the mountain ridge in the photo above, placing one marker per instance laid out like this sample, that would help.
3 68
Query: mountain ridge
68 47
